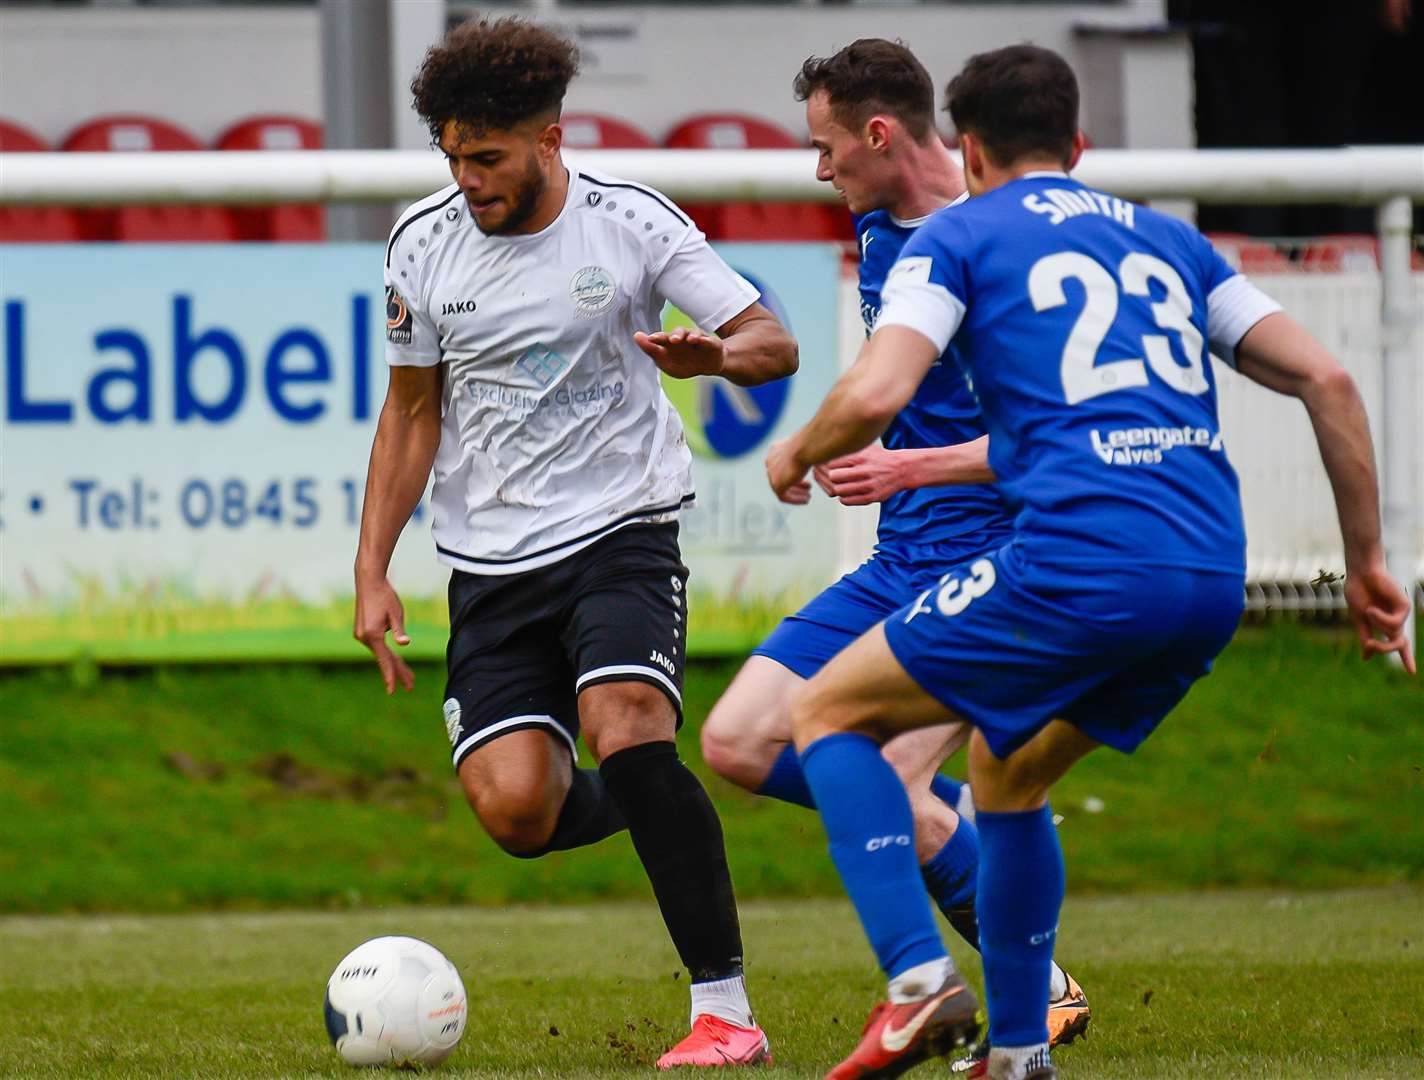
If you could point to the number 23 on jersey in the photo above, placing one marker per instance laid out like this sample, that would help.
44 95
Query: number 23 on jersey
1083 377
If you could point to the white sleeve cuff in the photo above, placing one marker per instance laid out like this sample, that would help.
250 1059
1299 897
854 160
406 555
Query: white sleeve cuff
1232 308
741 295
398 357
923 306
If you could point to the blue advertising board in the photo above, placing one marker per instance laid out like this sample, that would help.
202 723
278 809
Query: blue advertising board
184 438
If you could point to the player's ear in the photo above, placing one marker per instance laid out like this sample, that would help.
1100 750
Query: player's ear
550 140
973 155
877 134
1080 142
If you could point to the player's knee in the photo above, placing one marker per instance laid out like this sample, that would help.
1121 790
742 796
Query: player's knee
521 823
732 747
1005 786
934 824
719 748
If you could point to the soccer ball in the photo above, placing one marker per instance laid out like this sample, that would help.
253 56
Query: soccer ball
395 1001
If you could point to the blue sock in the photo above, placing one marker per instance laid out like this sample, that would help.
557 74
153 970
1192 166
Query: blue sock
872 837
952 876
947 789
786 781
1020 895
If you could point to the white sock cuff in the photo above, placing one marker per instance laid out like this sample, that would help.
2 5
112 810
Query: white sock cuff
920 981
1012 1062
725 999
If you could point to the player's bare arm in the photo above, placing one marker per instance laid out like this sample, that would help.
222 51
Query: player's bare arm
1278 353
749 349
891 366
874 474
407 434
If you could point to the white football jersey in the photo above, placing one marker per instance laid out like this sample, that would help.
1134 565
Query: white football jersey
555 428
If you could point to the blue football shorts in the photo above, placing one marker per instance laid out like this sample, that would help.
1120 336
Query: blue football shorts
806 641
1009 647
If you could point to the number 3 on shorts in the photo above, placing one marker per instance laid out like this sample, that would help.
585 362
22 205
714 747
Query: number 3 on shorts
955 594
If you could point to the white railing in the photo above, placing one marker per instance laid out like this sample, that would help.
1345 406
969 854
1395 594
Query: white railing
1383 325
1353 175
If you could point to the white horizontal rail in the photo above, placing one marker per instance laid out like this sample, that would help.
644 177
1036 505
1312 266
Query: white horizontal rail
1347 175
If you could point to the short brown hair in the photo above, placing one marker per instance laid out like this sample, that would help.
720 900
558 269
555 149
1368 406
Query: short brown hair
493 74
868 77
1018 101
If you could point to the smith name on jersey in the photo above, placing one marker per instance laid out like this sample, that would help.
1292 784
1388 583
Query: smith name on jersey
555 428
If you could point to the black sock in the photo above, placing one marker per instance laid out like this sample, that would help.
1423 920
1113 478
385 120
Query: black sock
589 815
965 922
678 837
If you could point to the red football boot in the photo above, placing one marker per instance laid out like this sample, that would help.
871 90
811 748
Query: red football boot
714 1042
899 1037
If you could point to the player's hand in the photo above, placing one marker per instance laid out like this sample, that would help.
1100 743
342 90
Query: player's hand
785 474
379 609
868 476
797 494
683 352
1379 608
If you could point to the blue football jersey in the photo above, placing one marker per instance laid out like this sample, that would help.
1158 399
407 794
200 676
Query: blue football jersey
1083 322
942 412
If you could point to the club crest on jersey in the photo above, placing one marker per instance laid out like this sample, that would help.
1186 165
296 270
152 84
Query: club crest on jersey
593 290
398 318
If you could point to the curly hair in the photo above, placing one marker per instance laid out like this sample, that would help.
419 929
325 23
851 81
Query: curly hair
872 76
493 74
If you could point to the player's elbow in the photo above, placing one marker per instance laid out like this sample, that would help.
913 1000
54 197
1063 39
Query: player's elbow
782 354
1328 384
789 355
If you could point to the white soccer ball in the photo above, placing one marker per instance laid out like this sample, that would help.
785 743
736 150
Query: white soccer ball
395 1001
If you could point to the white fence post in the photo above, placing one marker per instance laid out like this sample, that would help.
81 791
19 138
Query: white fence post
1400 364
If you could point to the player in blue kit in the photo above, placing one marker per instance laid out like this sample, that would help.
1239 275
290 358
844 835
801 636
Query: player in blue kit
1083 321
870 112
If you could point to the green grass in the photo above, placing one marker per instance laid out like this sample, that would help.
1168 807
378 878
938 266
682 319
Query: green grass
1187 986
167 621
164 789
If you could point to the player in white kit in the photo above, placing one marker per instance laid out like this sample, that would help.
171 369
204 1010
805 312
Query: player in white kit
523 313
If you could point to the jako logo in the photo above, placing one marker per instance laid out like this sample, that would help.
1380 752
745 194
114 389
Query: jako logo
663 662
723 420
458 307
879 843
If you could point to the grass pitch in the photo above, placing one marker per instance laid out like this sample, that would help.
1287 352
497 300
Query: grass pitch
1292 765
1259 985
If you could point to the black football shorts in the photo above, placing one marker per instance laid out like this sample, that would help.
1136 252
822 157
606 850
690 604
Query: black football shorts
523 645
